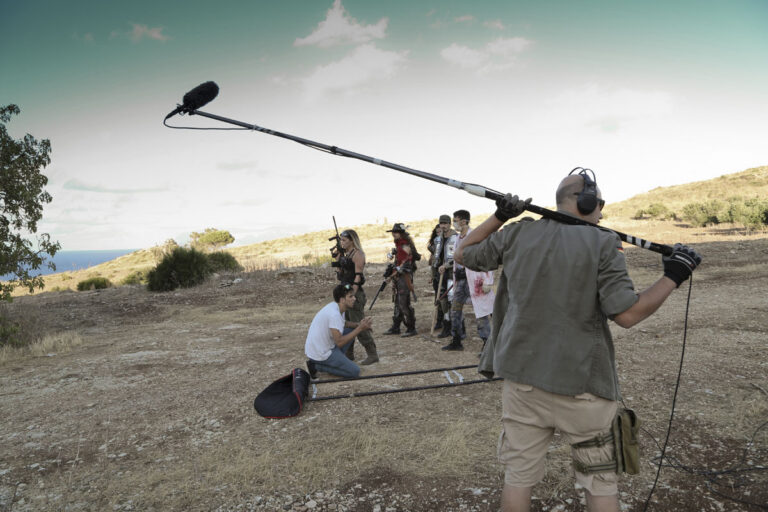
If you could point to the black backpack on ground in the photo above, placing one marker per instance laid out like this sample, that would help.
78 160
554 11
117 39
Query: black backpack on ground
285 397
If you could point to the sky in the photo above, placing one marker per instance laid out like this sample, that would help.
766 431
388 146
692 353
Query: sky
511 95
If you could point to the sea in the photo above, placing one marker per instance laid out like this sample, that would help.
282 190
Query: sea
76 260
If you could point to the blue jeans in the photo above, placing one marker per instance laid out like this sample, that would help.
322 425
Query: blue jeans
338 363
460 297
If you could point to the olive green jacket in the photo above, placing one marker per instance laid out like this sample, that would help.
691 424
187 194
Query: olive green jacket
560 284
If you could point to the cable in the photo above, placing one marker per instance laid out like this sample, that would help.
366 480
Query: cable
165 123
674 396
711 476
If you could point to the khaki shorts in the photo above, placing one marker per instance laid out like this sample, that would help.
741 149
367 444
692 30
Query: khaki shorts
529 419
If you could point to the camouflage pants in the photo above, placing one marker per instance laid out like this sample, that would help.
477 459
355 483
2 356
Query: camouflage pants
355 315
403 310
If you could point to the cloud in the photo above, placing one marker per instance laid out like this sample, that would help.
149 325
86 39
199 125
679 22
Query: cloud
86 38
340 28
464 19
85 187
494 24
139 32
497 55
364 64
464 56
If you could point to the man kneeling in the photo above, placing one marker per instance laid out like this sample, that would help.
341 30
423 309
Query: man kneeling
330 334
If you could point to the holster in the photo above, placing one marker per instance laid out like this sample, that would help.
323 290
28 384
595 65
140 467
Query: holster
626 429
624 437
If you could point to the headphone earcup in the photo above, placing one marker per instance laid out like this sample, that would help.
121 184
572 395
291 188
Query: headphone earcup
586 203
587 200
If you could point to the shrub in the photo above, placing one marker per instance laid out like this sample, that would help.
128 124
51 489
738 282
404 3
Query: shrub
160 251
751 213
210 239
135 277
701 214
223 262
19 327
655 211
93 283
181 268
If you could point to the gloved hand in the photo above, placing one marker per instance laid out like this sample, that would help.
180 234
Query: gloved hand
679 265
510 206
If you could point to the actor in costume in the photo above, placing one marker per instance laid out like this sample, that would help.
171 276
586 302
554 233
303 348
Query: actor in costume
405 256
441 246
469 287
350 271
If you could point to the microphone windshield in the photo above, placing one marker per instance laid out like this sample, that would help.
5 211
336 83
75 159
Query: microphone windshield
200 96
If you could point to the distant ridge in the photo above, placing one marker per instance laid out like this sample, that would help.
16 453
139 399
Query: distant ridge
745 184
311 249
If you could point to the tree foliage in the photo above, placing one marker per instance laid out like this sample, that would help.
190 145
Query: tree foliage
22 197
210 239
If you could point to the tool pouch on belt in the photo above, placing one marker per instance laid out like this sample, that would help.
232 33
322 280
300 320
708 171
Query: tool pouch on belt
624 437
626 428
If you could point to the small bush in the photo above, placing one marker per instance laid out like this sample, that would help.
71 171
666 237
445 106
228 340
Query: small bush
135 277
93 283
701 214
655 211
223 262
181 268
751 213
66 277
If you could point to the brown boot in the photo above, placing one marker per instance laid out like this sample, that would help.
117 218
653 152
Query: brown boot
373 357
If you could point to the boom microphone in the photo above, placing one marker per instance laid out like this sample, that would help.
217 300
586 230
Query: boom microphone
196 98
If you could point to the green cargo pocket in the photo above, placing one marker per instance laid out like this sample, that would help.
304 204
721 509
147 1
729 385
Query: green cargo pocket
626 429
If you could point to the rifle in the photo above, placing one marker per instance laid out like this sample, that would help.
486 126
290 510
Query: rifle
437 304
409 284
387 272
337 250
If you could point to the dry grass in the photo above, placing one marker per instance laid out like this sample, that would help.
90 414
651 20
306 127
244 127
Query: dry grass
49 345
751 183
168 380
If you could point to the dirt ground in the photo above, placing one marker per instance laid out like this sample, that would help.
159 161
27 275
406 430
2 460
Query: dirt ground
153 410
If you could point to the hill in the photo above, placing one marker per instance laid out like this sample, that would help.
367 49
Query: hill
752 183
312 249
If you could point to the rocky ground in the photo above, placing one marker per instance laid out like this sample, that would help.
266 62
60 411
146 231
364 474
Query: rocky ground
153 409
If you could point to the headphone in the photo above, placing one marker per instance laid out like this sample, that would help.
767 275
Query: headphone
587 200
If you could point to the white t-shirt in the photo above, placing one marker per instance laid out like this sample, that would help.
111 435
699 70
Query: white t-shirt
319 341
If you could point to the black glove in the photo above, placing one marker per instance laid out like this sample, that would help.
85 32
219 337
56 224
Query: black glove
510 206
679 265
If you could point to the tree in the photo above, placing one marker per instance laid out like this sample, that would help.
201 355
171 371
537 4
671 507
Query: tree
210 239
21 206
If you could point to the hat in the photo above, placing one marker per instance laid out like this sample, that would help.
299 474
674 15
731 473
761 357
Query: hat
399 227
445 218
